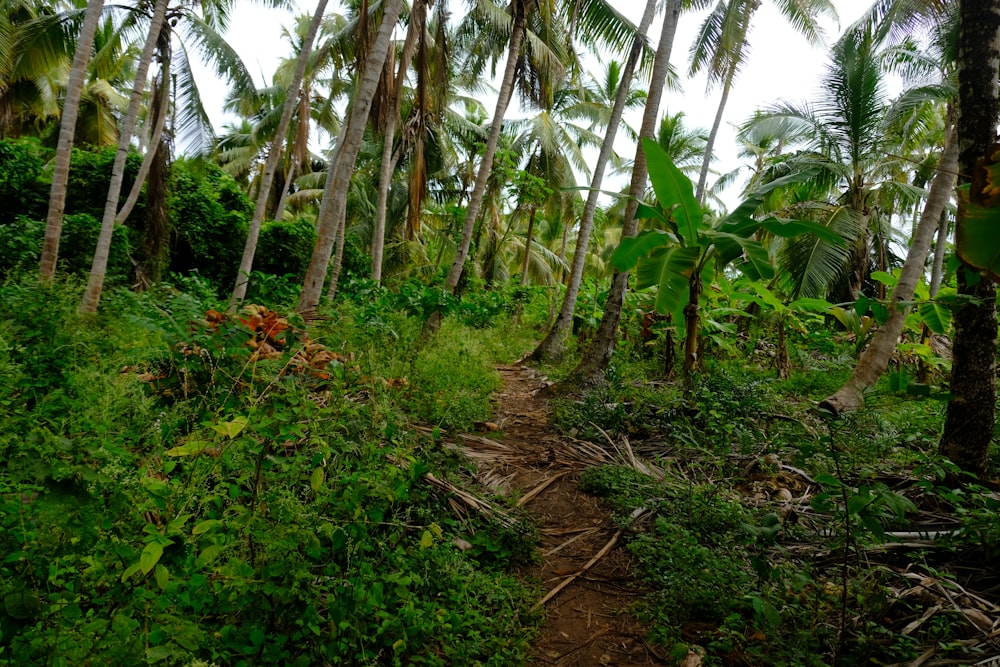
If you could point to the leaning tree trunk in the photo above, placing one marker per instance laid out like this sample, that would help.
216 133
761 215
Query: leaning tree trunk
160 111
274 157
875 358
64 148
99 268
417 18
527 246
333 213
553 346
970 418
486 163
726 88
706 161
937 267
595 360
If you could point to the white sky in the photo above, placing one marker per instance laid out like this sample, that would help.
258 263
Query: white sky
781 65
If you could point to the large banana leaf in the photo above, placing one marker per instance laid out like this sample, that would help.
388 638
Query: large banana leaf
673 189
977 234
670 270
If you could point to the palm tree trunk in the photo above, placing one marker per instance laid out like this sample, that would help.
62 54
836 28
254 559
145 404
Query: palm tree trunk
334 212
417 18
527 247
712 136
486 164
98 270
274 157
970 417
553 345
595 360
937 268
64 148
875 359
161 103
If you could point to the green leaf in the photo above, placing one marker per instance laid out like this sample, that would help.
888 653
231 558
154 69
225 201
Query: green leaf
935 316
206 526
885 278
977 242
162 575
317 478
670 270
209 554
673 189
632 248
150 556
189 448
427 540
233 428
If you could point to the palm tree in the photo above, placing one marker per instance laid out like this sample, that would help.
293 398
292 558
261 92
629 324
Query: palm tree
274 155
721 47
970 417
95 281
852 144
333 212
517 25
595 360
554 344
875 359
71 107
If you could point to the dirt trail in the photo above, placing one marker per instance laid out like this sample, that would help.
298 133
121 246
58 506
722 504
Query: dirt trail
587 620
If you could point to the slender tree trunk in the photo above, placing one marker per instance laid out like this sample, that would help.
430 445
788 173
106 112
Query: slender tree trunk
553 345
970 418
937 268
691 320
527 247
706 161
595 360
274 157
486 162
161 103
64 148
98 270
726 87
875 359
417 18
333 213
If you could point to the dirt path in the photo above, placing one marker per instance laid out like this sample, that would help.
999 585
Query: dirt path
587 620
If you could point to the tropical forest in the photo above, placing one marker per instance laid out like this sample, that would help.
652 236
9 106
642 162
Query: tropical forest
453 344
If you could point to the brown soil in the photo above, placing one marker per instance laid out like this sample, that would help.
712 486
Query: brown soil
588 621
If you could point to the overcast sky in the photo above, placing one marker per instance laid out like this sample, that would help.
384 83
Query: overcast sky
781 64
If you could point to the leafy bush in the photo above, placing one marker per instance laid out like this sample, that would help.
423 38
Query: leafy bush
209 215
284 248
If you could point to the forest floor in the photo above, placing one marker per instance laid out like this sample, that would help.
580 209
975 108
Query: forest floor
583 563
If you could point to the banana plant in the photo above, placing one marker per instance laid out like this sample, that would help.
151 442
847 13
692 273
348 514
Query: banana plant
686 248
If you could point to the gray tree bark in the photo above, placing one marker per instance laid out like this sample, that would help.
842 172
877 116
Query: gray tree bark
99 267
64 147
971 413
273 157
333 213
553 346
595 360
875 359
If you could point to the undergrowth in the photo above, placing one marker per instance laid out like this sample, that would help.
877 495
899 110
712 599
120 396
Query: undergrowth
187 487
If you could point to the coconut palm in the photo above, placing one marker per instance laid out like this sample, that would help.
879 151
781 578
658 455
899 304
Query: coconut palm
595 360
67 125
970 417
554 343
721 48
852 142
332 217
274 155
95 281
